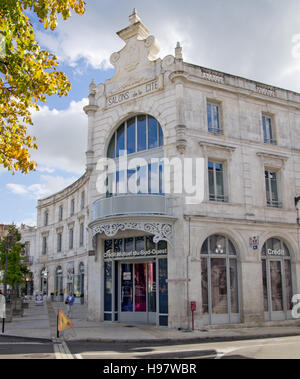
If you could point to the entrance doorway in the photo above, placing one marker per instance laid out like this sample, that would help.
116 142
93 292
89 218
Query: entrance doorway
277 280
137 289
135 277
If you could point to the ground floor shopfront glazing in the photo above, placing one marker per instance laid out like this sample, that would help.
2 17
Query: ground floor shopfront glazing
135 281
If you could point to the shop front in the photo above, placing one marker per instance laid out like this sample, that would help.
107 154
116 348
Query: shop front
135 280
277 280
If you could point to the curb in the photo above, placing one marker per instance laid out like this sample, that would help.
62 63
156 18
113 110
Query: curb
208 339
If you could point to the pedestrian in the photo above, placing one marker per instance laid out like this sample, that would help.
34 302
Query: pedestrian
70 301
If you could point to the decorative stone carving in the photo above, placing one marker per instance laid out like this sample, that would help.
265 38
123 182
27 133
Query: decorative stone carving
137 60
161 231
178 51
168 61
180 138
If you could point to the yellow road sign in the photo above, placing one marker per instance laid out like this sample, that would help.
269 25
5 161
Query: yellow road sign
63 321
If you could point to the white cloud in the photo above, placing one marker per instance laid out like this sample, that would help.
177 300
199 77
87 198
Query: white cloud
61 137
247 38
18 189
47 186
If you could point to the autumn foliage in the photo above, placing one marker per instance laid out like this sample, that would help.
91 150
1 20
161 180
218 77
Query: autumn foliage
27 74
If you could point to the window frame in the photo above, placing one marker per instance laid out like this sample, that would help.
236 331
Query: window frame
72 207
272 203
81 234
71 238
219 130
46 218
214 196
60 213
59 242
44 245
272 130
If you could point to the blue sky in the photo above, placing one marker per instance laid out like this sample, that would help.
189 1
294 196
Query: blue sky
256 39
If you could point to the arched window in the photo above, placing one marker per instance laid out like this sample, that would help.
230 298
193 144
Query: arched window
141 139
139 133
277 279
219 280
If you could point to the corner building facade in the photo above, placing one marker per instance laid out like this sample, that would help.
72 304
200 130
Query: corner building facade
149 254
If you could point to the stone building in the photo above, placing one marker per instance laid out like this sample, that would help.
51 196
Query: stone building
148 253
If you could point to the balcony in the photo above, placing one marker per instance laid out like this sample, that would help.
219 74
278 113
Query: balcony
136 204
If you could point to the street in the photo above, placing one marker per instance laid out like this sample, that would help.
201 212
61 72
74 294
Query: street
25 348
267 348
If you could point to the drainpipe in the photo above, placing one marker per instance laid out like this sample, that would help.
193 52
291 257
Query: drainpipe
187 276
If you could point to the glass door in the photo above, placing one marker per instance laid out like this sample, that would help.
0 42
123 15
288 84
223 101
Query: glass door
138 292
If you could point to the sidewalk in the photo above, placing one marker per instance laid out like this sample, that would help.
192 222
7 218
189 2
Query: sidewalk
40 322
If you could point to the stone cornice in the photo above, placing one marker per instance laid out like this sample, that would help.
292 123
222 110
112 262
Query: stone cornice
240 85
215 145
66 192
240 221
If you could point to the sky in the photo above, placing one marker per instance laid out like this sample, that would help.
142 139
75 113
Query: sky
255 39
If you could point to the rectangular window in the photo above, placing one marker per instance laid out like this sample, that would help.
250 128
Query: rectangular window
268 130
44 246
46 216
71 235
59 242
213 118
272 189
216 182
82 200
60 213
81 234
27 248
72 207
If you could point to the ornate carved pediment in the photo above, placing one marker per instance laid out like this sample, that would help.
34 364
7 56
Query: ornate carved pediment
137 61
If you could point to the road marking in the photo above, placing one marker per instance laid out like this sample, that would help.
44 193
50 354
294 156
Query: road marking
222 352
138 353
61 349
78 356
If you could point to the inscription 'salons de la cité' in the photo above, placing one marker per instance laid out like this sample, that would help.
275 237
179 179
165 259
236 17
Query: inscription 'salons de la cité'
133 93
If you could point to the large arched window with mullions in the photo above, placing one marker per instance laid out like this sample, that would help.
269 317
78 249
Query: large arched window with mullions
139 139
219 281
277 280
